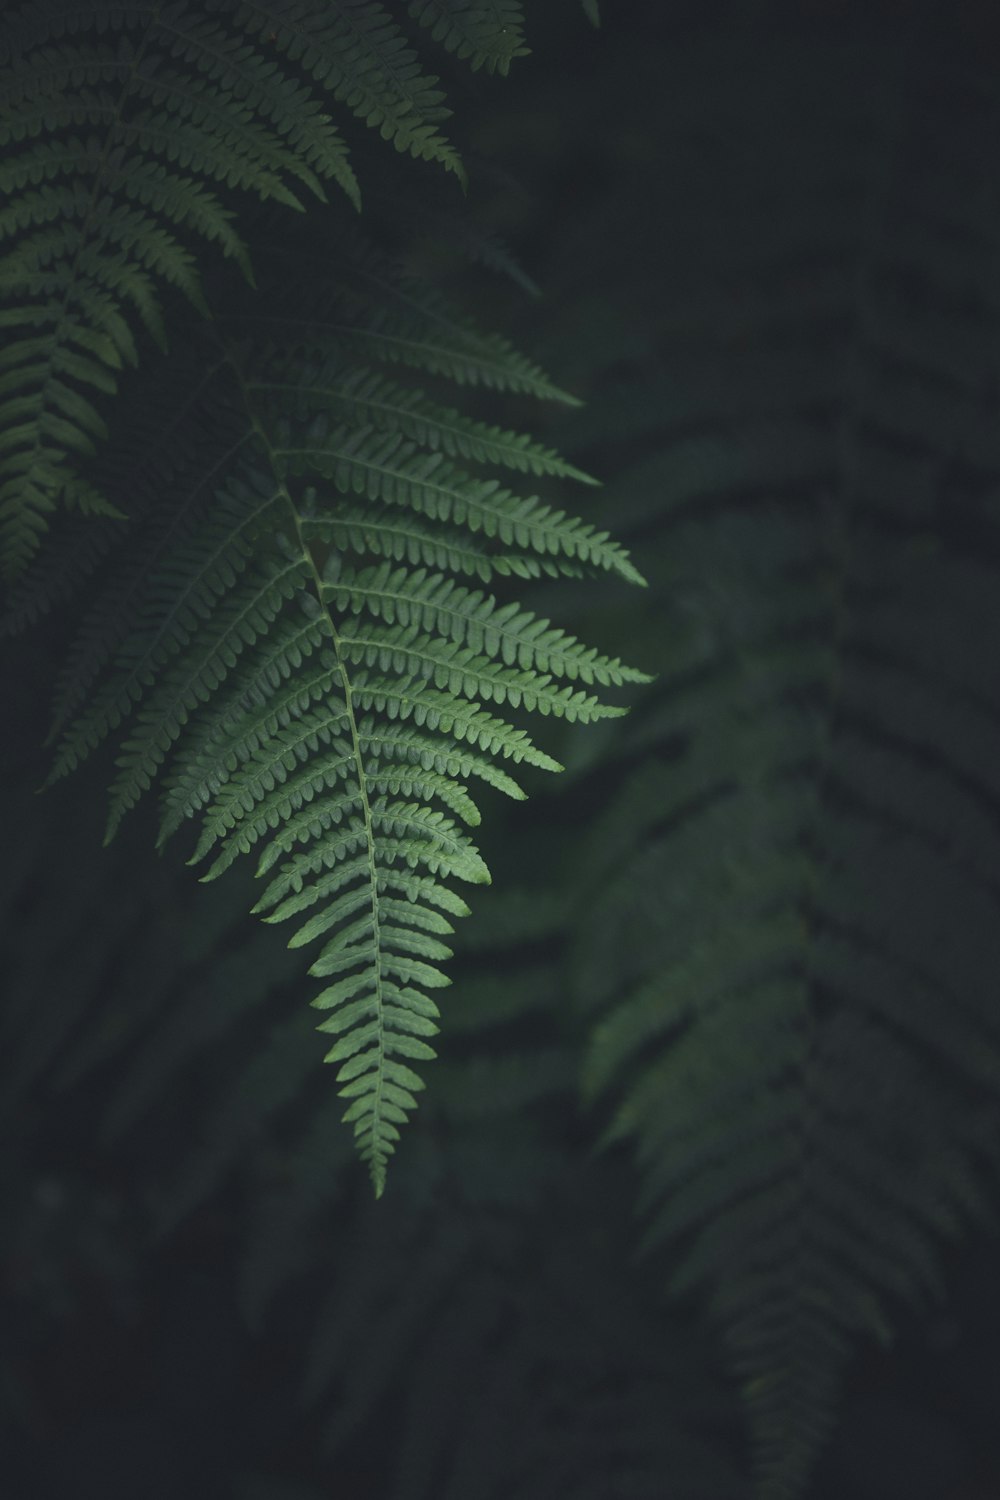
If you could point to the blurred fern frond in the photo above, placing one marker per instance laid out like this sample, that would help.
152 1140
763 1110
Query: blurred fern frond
790 927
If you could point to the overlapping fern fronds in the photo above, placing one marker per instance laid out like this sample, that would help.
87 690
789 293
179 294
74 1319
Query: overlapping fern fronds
130 133
792 941
299 638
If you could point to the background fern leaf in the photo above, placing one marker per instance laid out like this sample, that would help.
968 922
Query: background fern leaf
789 928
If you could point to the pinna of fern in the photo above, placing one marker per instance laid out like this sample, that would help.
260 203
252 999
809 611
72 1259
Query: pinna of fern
299 640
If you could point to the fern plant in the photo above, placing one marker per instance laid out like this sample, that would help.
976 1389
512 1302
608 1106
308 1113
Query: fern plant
131 132
787 931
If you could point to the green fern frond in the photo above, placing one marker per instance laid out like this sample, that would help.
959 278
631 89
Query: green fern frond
125 131
325 709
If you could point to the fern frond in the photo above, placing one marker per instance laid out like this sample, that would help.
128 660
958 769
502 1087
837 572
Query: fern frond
792 1009
124 130
324 714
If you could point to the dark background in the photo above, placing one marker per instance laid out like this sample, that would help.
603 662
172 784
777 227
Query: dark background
180 1213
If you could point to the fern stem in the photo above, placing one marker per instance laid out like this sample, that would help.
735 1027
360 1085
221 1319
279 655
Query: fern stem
377 1164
